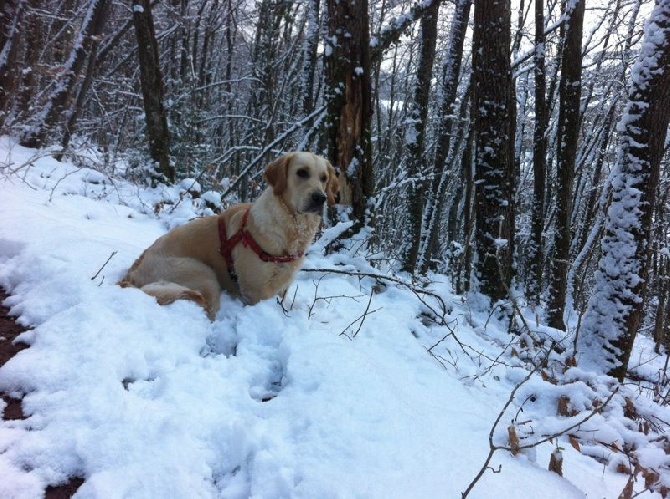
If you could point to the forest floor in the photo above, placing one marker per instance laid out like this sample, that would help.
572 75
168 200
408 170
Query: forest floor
360 384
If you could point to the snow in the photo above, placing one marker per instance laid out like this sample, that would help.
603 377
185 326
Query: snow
191 185
213 198
343 390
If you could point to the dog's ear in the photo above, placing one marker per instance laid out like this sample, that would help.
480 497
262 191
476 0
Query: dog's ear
276 174
333 185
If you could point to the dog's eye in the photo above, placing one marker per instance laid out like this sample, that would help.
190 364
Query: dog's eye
303 173
324 178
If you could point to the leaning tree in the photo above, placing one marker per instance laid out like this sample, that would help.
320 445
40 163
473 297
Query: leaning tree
616 308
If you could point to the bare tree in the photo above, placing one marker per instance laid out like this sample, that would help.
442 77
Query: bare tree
536 257
152 89
349 101
615 310
451 74
568 137
266 69
494 108
415 135
11 16
64 85
601 105
310 47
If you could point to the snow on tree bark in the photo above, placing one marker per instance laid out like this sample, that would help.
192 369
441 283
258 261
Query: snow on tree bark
64 84
349 101
615 310
429 249
416 127
494 128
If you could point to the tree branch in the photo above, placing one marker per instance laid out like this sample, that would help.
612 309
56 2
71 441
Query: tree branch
392 32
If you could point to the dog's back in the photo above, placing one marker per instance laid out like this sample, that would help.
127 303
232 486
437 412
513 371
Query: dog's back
184 264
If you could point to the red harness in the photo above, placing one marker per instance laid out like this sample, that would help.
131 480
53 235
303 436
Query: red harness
243 236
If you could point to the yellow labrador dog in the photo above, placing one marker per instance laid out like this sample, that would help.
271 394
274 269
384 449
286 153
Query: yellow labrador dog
251 249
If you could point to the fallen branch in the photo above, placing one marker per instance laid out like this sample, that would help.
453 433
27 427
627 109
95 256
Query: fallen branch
516 447
492 447
381 277
361 318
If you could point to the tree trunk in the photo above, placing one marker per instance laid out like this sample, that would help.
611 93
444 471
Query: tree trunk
415 136
463 276
494 127
266 72
75 110
310 47
536 256
349 102
568 138
152 89
659 320
34 27
451 73
10 72
616 307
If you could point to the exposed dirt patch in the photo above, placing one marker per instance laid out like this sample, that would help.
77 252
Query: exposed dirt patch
64 491
9 330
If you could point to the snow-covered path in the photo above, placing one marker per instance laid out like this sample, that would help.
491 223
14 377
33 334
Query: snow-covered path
144 401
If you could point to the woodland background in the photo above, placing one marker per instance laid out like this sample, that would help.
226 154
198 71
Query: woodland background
488 141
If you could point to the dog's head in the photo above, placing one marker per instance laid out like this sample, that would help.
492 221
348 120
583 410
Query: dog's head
303 180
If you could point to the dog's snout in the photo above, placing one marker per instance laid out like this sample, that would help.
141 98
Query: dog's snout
318 198
315 202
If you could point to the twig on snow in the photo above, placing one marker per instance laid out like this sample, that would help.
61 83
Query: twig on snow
361 318
104 265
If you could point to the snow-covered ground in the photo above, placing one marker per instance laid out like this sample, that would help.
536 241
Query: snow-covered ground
333 394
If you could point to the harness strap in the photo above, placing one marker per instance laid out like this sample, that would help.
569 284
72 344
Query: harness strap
227 245
247 240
